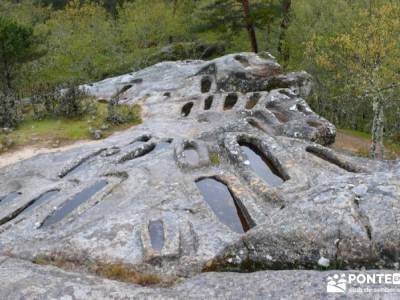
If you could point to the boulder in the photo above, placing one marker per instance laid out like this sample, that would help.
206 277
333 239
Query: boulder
154 202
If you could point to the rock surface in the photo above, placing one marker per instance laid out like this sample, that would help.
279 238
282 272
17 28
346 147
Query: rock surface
133 200
23 280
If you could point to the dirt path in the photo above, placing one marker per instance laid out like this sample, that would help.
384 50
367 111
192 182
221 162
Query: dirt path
351 144
26 152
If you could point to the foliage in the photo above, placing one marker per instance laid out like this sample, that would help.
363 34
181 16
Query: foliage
25 12
214 159
144 25
80 41
73 102
352 50
50 131
118 114
9 111
225 19
18 45
338 42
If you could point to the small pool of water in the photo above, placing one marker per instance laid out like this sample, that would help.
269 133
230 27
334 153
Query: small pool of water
42 199
156 230
223 204
72 204
261 166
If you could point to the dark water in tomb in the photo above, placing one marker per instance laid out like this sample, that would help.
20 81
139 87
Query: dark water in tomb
191 156
10 197
261 166
42 199
72 204
186 109
208 102
223 204
230 101
28 207
156 230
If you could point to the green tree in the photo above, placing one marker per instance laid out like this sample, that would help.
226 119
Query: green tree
82 43
18 45
282 50
231 20
145 25
249 25
352 49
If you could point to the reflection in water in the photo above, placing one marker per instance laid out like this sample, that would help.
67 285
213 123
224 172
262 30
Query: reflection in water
156 230
261 166
223 204
28 207
70 205
43 198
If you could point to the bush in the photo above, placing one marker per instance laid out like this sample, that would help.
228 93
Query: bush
18 45
10 114
44 101
120 114
70 102
73 102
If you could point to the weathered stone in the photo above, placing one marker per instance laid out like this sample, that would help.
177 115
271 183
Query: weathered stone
23 280
97 134
327 207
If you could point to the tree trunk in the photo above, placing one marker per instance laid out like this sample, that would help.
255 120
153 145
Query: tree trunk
377 147
249 25
286 6
174 9
8 80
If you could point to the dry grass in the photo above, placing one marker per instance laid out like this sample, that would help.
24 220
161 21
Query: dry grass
113 271
120 272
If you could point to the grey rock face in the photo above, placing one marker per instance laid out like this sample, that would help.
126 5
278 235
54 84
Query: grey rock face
133 198
23 280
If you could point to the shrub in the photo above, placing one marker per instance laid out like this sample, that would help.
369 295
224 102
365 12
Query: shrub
18 45
73 102
10 114
44 101
118 114
70 102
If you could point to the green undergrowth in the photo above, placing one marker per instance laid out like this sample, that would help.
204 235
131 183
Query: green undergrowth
58 131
